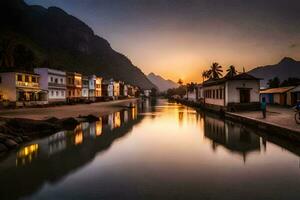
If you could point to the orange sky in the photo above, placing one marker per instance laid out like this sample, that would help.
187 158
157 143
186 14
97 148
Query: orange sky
180 38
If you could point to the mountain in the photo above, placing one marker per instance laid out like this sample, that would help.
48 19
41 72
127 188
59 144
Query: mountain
62 41
161 83
286 68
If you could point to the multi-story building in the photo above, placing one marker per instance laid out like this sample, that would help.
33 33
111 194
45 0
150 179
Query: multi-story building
92 87
23 88
116 89
74 86
85 87
98 90
53 81
125 90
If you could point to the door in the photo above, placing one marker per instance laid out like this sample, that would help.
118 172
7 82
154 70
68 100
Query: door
244 95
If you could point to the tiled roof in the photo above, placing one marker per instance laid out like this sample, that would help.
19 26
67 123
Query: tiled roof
277 90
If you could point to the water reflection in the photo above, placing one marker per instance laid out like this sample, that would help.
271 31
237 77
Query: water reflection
52 158
26 154
166 151
233 137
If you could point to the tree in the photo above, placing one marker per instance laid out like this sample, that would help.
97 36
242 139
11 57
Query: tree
231 71
153 92
292 81
215 71
274 83
205 75
180 82
190 87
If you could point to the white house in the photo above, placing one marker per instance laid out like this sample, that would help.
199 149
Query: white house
85 87
232 93
54 81
92 86
196 94
125 92
147 93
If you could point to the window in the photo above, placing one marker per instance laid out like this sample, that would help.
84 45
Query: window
213 96
33 79
56 93
61 80
62 93
70 93
26 78
221 93
56 80
51 79
217 95
19 77
52 93
0 79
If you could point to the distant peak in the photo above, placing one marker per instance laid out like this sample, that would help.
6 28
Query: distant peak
287 60
151 74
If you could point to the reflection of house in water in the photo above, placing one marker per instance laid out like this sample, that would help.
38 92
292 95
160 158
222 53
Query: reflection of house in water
231 136
51 168
26 154
84 132
114 120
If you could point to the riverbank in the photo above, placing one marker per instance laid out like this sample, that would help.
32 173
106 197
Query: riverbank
280 121
22 125
60 112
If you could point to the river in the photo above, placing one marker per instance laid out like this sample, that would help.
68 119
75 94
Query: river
157 150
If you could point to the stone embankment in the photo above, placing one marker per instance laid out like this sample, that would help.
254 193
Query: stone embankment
281 129
15 131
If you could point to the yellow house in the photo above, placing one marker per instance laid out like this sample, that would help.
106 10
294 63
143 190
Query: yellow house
74 85
98 90
18 86
116 89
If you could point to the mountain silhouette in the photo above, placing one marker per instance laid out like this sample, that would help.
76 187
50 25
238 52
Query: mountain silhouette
286 68
161 83
62 41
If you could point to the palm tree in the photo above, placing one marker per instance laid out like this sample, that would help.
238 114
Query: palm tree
180 82
205 75
231 71
190 87
215 71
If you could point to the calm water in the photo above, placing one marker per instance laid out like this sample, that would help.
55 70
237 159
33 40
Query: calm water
158 150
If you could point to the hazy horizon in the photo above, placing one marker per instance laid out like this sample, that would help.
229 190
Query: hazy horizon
179 39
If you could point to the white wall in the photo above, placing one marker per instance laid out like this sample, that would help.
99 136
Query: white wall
85 92
192 95
92 82
55 94
110 90
233 93
215 101
52 76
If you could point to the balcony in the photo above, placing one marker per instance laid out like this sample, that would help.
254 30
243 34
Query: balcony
27 84
61 85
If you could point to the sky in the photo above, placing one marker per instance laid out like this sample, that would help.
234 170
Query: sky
181 38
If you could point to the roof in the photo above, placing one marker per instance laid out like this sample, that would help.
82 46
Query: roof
242 76
18 71
279 90
296 89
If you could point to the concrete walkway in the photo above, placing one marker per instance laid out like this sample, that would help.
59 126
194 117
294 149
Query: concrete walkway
97 109
277 115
